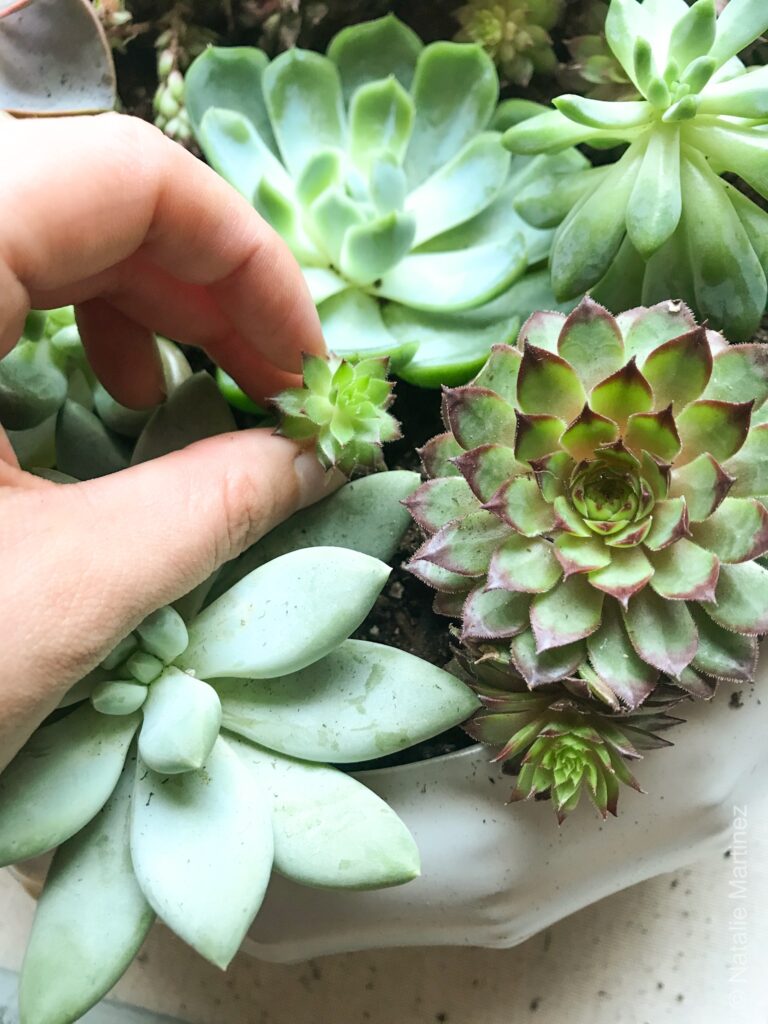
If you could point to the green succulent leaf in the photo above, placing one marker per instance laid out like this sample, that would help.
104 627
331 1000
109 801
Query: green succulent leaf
568 612
628 572
655 203
670 524
723 653
369 250
719 428
373 50
486 468
623 394
520 504
493 615
737 531
588 432
662 632
703 483
194 411
32 386
537 436
380 119
439 502
478 416
679 370
465 546
548 381
616 663
685 572
590 340
228 78
581 554
540 668
525 564
182 717
739 374
749 465
654 432
85 448
741 599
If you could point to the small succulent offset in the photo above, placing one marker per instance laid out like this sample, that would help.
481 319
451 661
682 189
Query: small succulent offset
342 408
597 505
381 165
514 32
637 233
195 760
593 70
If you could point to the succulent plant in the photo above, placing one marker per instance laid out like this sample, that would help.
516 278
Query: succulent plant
176 46
515 33
195 760
597 504
342 409
380 164
593 70
54 58
637 233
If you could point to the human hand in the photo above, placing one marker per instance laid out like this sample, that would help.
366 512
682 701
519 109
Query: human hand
105 213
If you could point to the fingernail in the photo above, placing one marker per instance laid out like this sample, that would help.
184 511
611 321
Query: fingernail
315 482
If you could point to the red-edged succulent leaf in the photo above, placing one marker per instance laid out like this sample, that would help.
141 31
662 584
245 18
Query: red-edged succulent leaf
696 684
662 632
685 572
631 535
719 428
721 652
656 474
437 577
500 371
525 564
486 468
703 483
478 416
627 574
622 394
552 473
749 466
591 342
547 383
439 502
568 519
654 432
465 547
537 436
741 599
669 524
494 615
449 605
644 329
737 531
542 330
679 370
616 663
587 433
541 668
740 373
510 731
581 554
568 612
436 455
519 503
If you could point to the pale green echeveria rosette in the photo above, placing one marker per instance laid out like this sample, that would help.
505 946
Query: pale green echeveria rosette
380 164
598 505
196 760
662 222
515 33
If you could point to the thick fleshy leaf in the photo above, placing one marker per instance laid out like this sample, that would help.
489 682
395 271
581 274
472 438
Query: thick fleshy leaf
628 573
568 519
344 837
644 329
737 531
662 632
85 448
591 342
551 132
331 216
520 504
653 432
441 501
616 663
616 114
182 717
362 701
739 373
234 147
194 411
284 615
302 92
539 668
91 918
546 383
568 612
685 572
380 119
750 465
373 50
679 370
525 564
630 536
587 433
353 326
370 250
696 684
499 373
323 283
655 204
581 554
486 468
61 779
719 428
721 652
656 474
703 483
228 77
201 845
494 615
465 547
739 24
438 454
622 395
741 599
670 523
537 436
542 330
455 89
32 386
116 697
477 416
446 582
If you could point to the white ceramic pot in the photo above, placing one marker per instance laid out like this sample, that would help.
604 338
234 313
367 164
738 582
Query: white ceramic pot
495 874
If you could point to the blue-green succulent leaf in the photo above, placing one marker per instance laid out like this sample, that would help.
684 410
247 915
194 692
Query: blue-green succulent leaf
182 717
373 50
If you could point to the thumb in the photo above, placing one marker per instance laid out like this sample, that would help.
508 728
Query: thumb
85 563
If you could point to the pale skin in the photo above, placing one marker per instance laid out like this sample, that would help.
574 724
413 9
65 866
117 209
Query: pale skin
106 213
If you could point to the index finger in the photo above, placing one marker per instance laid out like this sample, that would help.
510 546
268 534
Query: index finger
92 192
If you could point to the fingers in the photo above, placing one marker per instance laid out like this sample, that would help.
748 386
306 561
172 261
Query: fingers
83 564
146 199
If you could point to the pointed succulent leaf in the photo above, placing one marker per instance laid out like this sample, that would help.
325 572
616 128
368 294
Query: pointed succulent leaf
443 580
465 546
670 523
662 632
739 373
494 615
655 203
32 386
568 612
380 118
182 717
525 564
539 668
685 572
284 615
629 537
542 330
60 780
741 599
487 467
719 428
439 502
737 531
373 50
644 329
499 372
228 78
749 466
654 432
85 448
679 370
656 474
721 652
694 33
546 381
478 416
194 411
223 824
117 697
550 132
239 153
91 918
568 519
519 504
628 572
537 435
344 837
362 701
370 250
588 432
164 634
703 483
739 24
622 394
616 663
581 554
591 342
619 115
